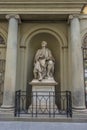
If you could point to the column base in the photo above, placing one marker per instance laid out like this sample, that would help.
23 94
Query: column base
81 114
6 111
80 108
7 108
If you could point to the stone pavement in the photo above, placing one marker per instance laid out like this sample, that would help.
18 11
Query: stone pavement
15 125
77 122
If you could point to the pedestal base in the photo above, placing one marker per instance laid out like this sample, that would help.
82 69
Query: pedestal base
43 96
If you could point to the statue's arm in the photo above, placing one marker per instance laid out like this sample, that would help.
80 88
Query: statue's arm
50 55
37 56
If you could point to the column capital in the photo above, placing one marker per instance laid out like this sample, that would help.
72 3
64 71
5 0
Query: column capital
72 16
15 16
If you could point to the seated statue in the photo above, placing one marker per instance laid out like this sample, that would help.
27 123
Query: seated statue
43 63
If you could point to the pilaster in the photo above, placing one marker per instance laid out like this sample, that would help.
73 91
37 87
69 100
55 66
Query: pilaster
11 62
77 78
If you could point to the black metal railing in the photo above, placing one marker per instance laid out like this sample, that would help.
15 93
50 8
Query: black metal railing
47 104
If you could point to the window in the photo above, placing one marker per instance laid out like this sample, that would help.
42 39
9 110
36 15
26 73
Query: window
85 65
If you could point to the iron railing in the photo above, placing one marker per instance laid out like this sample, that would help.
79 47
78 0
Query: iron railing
47 104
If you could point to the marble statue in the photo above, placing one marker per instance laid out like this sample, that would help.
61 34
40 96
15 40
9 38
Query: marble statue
43 63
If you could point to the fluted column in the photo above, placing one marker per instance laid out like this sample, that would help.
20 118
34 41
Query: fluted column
77 78
11 62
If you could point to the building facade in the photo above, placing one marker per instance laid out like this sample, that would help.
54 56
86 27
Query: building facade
23 25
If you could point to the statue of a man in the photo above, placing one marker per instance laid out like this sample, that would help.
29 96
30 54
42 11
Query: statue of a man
43 63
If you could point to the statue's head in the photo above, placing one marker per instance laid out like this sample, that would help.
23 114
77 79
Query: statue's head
44 43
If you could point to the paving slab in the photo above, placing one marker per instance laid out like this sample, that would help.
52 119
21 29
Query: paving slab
14 125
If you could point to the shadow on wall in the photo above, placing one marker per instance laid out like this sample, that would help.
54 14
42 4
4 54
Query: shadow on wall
34 45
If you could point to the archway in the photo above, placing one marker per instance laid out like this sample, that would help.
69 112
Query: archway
33 46
57 43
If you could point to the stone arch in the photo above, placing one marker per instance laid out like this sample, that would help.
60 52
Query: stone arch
2 40
59 36
3 34
49 29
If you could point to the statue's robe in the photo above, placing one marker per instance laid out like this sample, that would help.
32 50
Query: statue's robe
41 60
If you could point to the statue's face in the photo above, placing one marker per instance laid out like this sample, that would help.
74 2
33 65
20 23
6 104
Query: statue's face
44 44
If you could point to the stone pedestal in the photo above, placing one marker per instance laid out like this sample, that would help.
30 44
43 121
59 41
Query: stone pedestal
43 95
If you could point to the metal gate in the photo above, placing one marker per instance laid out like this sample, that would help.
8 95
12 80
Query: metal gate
43 104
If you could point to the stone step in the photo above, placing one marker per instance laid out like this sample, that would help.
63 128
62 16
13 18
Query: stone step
15 125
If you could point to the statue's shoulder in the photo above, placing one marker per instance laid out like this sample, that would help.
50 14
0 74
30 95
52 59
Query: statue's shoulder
48 50
38 50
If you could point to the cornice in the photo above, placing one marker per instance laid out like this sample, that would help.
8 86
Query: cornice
43 3
17 2
41 7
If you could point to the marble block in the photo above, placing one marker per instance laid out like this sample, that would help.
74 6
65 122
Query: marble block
43 97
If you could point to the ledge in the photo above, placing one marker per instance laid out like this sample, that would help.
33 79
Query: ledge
41 7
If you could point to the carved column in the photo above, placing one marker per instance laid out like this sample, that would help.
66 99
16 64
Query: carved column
77 78
11 62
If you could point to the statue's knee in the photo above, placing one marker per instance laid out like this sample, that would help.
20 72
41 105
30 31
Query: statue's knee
50 62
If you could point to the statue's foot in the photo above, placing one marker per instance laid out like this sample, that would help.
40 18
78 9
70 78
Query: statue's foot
50 78
40 79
